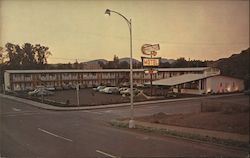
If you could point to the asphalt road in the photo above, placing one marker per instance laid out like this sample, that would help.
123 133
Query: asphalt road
27 131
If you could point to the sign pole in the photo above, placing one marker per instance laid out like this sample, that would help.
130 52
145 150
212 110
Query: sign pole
3 89
148 49
77 95
151 78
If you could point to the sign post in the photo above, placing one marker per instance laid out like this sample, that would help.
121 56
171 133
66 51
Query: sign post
150 62
77 94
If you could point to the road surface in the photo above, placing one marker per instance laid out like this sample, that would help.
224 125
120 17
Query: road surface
27 131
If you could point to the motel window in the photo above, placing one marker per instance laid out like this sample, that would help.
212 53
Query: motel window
17 75
27 75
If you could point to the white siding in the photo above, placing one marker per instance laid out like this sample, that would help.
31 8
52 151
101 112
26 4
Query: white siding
223 84
7 81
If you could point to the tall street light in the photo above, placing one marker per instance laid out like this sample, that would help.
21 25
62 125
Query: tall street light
129 22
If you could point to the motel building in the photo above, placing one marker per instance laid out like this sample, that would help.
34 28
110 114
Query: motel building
201 84
198 80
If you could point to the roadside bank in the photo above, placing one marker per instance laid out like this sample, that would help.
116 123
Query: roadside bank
236 141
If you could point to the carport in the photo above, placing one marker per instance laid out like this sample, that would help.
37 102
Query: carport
186 83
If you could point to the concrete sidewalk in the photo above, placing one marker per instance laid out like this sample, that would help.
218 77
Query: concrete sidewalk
51 107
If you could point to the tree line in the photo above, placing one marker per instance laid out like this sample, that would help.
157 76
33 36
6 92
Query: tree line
116 63
27 56
182 63
179 63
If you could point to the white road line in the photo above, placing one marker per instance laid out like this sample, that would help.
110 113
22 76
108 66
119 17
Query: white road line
19 114
106 154
54 135
15 109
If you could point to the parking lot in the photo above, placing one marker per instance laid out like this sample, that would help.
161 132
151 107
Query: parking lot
91 97
88 97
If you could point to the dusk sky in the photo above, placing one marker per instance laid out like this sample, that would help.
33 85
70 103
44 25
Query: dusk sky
205 30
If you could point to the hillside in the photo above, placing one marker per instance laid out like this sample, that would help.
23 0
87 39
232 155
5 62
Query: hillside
236 65
126 59
170 61
97 61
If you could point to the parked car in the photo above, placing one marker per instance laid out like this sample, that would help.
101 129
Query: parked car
122 89
58 88
139 85
100 88
127 91
33 92
50 88
111 90
40 92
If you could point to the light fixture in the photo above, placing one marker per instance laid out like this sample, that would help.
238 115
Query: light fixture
107 12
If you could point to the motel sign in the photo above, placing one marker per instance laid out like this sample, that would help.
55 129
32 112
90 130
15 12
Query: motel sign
150 62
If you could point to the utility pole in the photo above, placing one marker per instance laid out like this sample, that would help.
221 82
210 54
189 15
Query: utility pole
77 94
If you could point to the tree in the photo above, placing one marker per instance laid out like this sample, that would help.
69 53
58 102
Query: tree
76 65
197 63
42 53
137 65
115 62
165 65
28 56
180 62
15 55
101 64
28 52
124 65
2 55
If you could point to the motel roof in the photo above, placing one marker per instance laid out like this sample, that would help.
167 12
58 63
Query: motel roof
176 80
105 70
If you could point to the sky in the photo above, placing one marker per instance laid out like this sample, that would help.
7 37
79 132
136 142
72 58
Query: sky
79 30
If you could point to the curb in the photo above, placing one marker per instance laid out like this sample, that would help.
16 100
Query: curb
229 143
57 108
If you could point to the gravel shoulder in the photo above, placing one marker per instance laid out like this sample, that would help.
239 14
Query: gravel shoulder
217 121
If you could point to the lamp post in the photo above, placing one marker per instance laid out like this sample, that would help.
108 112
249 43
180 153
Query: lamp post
129 22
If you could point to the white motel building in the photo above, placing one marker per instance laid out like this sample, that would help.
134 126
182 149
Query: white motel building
198 80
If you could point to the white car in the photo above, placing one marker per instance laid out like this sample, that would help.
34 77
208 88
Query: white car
122 89
139 85
33 92
99 88
111 90
40 92
127 91
50 88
